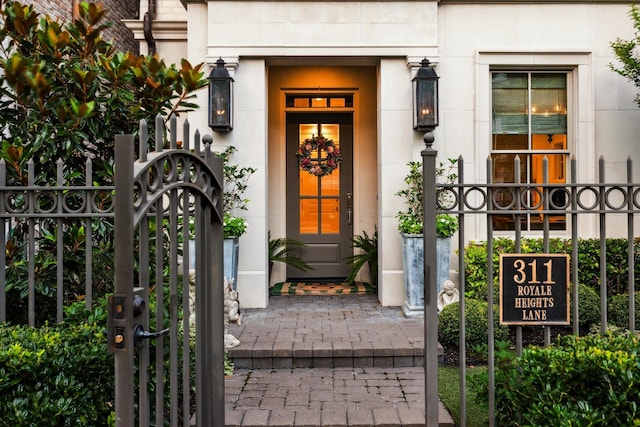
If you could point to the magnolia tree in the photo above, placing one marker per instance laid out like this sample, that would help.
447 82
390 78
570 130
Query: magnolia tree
627 53
65 92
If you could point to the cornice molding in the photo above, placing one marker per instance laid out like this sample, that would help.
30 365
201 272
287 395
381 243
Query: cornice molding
162 30
537 1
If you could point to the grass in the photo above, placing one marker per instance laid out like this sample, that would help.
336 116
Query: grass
449 390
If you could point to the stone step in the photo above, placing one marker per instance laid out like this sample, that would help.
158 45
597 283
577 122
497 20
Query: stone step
359 354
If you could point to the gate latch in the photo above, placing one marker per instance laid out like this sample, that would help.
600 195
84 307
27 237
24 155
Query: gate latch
140 334
118 325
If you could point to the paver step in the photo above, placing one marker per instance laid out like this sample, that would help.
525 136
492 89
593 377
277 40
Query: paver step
328 355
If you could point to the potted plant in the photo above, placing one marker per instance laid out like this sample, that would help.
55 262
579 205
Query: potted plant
411 228
235 184
282 250
368 255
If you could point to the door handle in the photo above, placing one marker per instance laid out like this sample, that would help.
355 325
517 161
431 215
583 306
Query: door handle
349 208
140 334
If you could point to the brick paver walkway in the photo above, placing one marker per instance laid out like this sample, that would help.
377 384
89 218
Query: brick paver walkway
327 361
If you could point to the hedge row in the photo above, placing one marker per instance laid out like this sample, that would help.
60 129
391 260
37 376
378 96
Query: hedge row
588 261
55 376
587 381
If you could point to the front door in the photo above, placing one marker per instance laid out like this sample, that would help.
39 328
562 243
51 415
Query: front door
319 192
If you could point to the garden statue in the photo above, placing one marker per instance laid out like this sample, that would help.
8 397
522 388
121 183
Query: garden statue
448 295
231 313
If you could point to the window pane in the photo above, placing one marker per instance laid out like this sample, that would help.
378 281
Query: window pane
510 103
504 168
301 103
549 103
319 102
337 102
510 142
549 142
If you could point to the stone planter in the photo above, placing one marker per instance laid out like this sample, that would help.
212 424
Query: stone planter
231 252
413 268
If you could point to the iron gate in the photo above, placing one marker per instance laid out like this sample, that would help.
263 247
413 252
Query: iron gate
165 324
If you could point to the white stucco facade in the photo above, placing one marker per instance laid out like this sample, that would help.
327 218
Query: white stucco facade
374 48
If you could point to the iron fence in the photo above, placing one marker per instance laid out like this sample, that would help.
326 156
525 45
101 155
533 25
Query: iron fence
50 249
514 210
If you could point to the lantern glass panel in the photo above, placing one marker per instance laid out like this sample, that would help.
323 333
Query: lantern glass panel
426 105
220 100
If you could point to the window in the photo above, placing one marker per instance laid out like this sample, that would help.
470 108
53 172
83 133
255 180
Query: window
529 120
319 101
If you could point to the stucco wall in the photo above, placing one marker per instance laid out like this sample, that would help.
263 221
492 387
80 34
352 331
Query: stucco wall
335 28
466 40
603 119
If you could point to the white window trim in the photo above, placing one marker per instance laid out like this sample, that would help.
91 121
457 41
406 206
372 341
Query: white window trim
581 104
580 94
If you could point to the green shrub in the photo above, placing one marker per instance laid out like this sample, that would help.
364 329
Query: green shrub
476 324
618 311
475 256
587 381
588 307
55 376
482 293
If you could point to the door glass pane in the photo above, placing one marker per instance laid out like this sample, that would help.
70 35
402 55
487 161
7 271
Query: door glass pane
318 214
331 183
330 216
309 216
308 184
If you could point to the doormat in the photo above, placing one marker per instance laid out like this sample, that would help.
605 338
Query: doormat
314 288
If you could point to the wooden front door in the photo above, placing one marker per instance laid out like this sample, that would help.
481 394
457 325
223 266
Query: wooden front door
320 204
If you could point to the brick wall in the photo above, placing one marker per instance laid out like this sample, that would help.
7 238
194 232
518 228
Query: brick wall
116 11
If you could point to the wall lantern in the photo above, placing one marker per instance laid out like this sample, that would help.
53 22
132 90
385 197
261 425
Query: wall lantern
220 98
425 97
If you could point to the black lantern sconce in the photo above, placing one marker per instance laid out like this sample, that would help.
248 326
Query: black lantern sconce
425 97
220 98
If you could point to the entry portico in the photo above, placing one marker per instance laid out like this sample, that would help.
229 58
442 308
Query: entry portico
369 51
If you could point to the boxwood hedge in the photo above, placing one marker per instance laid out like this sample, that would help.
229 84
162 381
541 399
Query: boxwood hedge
55 376
580 381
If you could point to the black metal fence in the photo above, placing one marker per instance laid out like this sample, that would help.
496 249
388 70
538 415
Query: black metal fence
50 250
544 210
153 242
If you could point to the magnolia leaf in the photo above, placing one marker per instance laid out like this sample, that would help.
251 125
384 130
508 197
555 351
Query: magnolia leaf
82 110
15 153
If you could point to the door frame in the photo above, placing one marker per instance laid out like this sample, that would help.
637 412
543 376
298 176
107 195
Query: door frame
322 270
